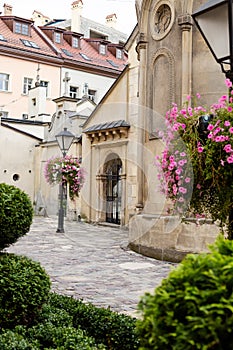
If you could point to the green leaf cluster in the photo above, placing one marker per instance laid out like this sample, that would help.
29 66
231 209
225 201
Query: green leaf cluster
61 325
16 213
193 307
24 288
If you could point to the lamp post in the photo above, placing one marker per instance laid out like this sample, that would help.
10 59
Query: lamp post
64 140
214 19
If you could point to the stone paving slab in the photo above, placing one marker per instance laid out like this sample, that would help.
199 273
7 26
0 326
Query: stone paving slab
92 263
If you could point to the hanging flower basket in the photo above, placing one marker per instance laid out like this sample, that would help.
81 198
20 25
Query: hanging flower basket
66 170
196 167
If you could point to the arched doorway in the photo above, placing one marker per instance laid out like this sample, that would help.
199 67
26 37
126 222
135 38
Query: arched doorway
113 170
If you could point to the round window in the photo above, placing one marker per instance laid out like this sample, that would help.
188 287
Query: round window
162 19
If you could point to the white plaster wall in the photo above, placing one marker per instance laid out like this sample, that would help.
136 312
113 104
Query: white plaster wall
95 82
17 157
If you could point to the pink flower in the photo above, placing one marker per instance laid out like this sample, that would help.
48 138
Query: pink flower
210 127
229 109
182 190
182 154
223 98
198 95
200 149
222 162
227 148
228 83
176 127
231 130
216 130
178 171
198 186
230 159
227 123
187 179
220 138
181 162
174 190
183 111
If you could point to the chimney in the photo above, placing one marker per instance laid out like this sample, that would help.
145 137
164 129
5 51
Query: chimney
111 20
76 13
7 10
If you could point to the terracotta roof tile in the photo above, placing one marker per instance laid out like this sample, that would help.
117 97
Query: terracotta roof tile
14 40
95 58
39 43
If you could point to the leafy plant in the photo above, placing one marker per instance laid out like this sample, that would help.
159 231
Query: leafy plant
16 213
196 166
115 331
24 288
11 340
61 325
193 307
66 169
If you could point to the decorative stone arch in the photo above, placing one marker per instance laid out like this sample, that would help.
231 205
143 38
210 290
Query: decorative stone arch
111 184
161 78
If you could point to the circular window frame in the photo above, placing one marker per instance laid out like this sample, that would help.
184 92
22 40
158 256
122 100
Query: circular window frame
155 35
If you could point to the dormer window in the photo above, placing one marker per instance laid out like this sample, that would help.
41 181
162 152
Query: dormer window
21 28
119 54
102 49
75 42
2 38
57 37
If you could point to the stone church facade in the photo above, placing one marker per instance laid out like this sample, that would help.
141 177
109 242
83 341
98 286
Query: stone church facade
168 60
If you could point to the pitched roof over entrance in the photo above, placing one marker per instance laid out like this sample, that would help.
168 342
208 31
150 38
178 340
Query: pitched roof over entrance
105 126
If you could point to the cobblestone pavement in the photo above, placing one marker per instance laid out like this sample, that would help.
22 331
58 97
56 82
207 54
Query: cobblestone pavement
92 263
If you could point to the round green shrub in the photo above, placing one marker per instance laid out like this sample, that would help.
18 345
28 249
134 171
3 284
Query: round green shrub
10 340
24 288
16 213
193 307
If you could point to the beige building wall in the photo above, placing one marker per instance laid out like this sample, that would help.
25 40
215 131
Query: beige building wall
21 170
120 103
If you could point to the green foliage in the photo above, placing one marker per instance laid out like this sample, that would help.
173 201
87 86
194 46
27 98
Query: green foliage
62 337
61 325
11 340
116 331
193 307
16 213
24 288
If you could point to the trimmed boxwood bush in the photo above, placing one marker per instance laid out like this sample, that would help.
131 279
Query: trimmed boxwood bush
57 327
193 307
116 331
16 213
10 340
24 288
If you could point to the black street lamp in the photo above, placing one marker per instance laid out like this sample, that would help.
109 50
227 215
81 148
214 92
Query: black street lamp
214 21
64 140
